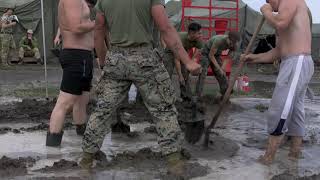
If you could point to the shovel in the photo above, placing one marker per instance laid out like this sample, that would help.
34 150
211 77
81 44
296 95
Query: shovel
230 87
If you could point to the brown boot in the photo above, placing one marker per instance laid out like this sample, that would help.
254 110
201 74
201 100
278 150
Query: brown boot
273 145
86 161
295 147
176 164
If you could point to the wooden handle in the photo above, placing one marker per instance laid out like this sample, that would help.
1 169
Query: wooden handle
231 84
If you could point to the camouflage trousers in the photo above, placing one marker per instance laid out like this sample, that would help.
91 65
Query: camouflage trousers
142 67
185 89
24 52
222 79
6 43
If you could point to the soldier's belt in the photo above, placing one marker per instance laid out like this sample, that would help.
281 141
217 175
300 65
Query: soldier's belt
131 49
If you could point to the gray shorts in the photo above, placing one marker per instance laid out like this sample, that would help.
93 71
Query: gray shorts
286 111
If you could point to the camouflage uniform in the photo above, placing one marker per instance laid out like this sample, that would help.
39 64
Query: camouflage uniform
185 90
143 67
220 43
6 42
30 50
222 79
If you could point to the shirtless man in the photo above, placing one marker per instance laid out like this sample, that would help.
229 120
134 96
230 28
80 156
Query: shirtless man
77 62
286 111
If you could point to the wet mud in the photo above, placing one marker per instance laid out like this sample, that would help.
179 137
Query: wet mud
61 165
150 129
15 167
29 110
219 148
40 127
148 161
288 176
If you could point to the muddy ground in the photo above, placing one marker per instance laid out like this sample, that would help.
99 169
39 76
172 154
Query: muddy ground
232 136
238 139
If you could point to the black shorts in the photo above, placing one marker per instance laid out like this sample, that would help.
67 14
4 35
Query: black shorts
77 68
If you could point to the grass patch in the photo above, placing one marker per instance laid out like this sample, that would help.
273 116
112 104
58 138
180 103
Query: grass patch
34 92
260 107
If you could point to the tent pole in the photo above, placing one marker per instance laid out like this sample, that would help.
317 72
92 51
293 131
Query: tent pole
44 49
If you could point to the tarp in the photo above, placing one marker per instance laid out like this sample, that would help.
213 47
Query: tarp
249 17
29 15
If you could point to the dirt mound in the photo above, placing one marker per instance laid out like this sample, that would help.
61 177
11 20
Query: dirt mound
29 110
219 148
41 127
61 165
15 167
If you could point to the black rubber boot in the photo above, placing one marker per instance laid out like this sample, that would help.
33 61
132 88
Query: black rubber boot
80 129
54 139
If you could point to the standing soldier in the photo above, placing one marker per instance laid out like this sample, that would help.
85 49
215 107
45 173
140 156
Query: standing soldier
8 21
133 60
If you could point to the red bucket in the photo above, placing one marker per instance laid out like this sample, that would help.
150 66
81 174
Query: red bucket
221 24
187 2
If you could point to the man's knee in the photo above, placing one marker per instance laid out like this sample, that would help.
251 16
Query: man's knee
66 101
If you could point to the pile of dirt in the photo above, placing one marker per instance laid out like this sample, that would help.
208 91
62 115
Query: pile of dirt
41 127
44 126
15 167
219 148
29 110
61 165
4 130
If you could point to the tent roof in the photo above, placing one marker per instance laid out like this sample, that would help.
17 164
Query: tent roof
13 3
173 7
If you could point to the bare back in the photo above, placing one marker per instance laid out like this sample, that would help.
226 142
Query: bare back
75 24
296 38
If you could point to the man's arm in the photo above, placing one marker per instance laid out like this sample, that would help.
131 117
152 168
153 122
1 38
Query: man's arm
4 25
286 12
212 57
21 43
171 38
73 17
267 58
178 69
57 38
34 42
100 33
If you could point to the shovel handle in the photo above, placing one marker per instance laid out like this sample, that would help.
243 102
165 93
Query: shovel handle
231 84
